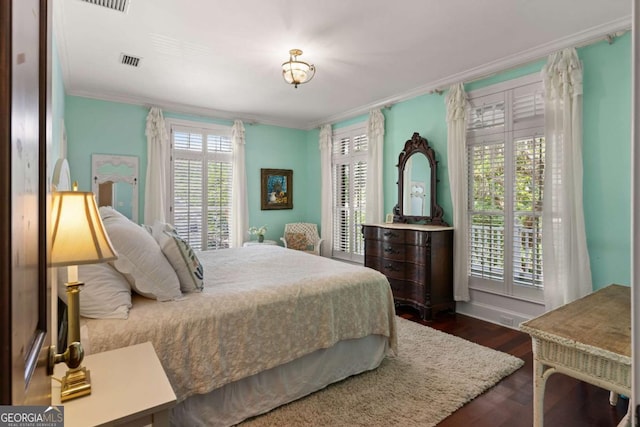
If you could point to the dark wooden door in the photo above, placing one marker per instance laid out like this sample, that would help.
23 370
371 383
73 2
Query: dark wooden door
24 132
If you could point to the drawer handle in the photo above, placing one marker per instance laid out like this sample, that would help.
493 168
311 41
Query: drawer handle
390 250
391 267
389 234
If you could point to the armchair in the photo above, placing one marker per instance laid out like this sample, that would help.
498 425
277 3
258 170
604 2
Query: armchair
302 236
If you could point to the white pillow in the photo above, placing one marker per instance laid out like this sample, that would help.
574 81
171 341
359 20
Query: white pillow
109 212
140 258
106 294
180 256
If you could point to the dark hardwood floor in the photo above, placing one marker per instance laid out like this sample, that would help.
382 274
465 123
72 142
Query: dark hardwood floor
568 402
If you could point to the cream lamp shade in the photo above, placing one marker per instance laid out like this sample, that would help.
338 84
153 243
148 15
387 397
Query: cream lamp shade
78 235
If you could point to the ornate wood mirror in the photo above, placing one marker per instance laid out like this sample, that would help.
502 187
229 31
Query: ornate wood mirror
417 179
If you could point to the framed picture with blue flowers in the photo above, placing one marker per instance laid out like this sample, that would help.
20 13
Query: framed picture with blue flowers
276 189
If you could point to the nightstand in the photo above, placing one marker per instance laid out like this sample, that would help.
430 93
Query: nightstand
128 387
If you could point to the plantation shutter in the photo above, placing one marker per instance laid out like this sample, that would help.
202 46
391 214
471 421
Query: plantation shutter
359 205
506 151
341 219
349 170
529 156
187 206
528 104
219 170
201 177
486 199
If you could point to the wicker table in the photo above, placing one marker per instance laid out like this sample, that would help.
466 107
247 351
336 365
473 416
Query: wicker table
588 339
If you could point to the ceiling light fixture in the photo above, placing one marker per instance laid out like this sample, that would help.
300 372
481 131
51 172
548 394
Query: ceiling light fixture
297 72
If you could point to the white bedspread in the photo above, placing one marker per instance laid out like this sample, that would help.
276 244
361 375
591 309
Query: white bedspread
261 307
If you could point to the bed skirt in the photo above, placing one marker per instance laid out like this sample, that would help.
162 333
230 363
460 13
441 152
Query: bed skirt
262 392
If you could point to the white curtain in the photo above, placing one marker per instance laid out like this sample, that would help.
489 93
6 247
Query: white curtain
456 101
326 209
567 273
155 203
239 206
374 192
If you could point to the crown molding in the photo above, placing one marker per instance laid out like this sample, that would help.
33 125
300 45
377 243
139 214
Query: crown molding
583 38
579 39
174 107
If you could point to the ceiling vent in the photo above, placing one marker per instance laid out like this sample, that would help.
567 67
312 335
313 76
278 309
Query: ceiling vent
133 61
119 5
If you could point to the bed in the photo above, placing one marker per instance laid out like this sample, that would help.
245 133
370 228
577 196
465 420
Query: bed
269 326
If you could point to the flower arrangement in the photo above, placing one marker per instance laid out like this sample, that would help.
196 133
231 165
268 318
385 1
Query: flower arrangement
258 231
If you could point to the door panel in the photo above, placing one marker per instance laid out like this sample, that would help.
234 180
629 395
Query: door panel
24 294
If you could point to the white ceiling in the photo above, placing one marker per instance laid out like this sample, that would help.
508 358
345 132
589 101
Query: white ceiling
222 58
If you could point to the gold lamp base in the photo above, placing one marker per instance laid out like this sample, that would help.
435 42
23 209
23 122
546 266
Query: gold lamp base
76 383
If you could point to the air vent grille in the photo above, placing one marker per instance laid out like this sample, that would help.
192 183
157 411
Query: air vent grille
130 60
119 5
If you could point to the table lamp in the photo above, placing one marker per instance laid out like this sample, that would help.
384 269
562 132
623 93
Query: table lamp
78 237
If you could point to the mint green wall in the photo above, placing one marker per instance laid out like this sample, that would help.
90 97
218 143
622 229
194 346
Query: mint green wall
104 127
426 115
112 128
607 159
606 154
272 147
314 182
606 150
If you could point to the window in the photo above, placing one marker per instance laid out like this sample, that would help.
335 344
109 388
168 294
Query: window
201 166
506 153
349 177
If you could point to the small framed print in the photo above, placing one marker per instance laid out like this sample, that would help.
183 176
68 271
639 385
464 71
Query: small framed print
389 219
276 189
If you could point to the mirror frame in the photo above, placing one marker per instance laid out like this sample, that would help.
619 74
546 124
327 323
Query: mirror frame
99 160
418 144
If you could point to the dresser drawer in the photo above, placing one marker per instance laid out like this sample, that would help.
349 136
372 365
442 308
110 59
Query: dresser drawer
404 290
402 270
392 235
399 252
384 234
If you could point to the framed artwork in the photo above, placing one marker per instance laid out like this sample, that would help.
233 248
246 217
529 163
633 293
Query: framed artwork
276 189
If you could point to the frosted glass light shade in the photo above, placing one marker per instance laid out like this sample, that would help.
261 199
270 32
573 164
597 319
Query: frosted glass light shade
78 235
297 72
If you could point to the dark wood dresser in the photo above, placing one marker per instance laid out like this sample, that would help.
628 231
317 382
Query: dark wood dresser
417 260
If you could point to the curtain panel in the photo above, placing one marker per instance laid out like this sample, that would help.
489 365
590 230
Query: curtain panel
239 205
456 101
374 210
155 195
567 272
326 214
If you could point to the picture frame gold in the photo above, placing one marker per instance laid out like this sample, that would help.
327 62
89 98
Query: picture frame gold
276 189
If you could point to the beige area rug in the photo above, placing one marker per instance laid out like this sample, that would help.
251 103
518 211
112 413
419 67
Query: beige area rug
433 375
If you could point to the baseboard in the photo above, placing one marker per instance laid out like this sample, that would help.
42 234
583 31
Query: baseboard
498 309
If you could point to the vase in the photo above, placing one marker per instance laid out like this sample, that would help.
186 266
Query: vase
260 238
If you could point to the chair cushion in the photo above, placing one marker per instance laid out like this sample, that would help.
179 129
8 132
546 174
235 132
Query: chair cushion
297 241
